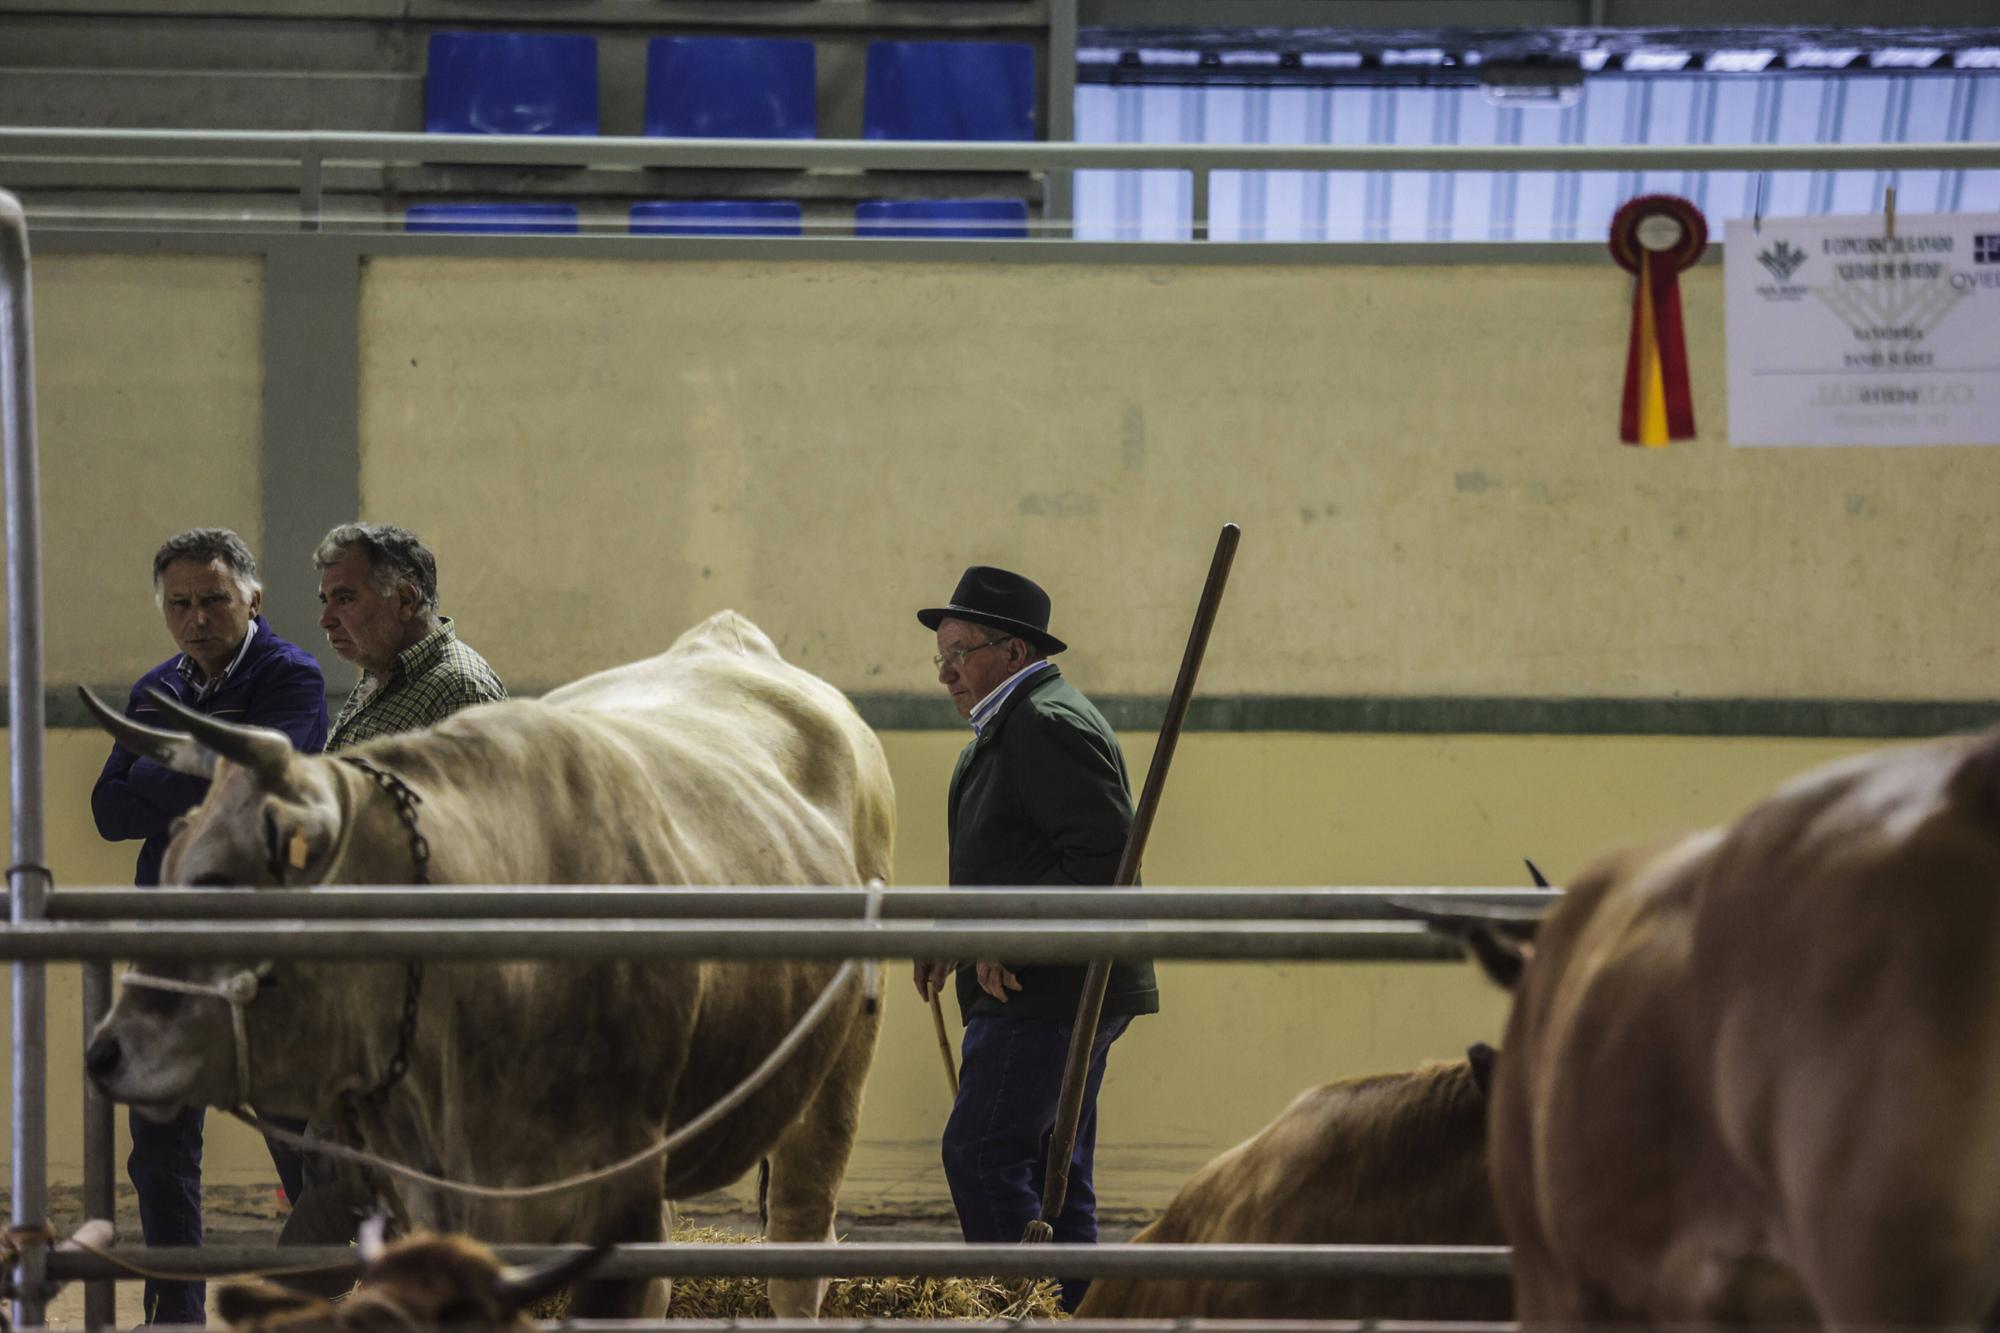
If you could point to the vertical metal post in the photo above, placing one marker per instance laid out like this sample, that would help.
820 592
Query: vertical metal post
1059 185
100 1144
27 876
1199 222
310 188
312 432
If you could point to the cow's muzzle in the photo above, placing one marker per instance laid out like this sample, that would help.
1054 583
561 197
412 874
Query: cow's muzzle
101 1060
236 992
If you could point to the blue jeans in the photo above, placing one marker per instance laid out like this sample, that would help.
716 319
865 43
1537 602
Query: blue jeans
165 1167
996 1143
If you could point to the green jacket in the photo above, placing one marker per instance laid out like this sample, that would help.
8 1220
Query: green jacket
1040 798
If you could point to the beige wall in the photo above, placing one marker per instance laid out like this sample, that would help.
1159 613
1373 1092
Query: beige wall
1424 460
1234 1041
149 384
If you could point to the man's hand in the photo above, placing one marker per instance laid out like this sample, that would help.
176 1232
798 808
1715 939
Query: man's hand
996 980
931 976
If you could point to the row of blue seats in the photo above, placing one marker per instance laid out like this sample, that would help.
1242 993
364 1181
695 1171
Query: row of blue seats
728 87
988 219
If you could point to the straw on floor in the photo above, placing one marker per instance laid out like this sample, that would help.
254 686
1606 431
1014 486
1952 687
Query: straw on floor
848 1298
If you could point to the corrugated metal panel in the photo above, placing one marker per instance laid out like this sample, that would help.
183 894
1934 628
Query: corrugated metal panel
1527 206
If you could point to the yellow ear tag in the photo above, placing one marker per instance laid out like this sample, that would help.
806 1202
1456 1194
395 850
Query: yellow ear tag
296 851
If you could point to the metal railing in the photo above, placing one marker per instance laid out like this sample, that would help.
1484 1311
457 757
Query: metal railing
27 876
1319 923
310 153
460 939
866 1259
780 902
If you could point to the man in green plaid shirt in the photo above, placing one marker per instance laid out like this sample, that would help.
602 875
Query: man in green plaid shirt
379 608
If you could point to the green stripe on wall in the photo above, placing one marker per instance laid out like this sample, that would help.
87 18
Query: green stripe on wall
1432 715
1495 715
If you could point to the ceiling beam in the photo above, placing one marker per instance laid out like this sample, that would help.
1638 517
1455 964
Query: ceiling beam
1898 14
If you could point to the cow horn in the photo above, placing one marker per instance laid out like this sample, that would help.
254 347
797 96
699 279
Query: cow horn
265 752
1501 938
1535 872
516 1289
171 749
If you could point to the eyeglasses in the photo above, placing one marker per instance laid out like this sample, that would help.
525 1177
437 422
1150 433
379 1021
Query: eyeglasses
957 656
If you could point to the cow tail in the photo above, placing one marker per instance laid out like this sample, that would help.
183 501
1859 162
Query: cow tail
764 1194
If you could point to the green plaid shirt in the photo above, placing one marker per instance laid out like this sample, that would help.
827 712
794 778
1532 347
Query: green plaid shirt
429 681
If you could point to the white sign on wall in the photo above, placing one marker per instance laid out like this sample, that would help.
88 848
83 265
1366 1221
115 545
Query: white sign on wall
1841 334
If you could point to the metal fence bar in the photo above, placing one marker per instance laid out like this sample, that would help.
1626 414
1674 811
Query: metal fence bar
100 1137
1262 1262
440 941
1059 192
27 876
669 903
899 1324
280 147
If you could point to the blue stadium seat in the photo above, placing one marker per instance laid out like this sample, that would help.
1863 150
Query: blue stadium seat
511 83
531 219
718 217
978 219
950 90
730 88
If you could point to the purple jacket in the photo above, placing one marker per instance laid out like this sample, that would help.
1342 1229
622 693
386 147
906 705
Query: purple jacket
276 685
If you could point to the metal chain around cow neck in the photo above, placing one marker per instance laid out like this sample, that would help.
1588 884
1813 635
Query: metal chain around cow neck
406 802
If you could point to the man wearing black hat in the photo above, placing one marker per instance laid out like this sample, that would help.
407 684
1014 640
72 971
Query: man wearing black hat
1039 799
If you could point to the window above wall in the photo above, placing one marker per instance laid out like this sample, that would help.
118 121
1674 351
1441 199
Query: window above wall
1547 87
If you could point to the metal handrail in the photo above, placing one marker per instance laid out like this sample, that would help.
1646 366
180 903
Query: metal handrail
319 148
441 941
27 875
311 152
776 903
869 1259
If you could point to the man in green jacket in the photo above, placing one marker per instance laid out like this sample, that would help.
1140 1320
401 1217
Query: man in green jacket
1039 800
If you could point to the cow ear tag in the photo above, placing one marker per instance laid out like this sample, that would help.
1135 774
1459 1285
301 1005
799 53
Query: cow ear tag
295 851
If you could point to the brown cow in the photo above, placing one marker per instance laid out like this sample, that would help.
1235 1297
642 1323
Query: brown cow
1754 1075
417 1284
1393 1159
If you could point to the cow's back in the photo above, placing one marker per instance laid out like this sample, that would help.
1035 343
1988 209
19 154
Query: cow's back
1395 1159
722 700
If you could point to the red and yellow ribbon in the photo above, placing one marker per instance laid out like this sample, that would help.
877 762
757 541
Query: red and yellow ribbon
1654 237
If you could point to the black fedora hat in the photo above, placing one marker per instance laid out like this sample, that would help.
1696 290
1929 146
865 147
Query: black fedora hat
1000 599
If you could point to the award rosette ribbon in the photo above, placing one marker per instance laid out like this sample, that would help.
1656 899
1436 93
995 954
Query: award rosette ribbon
1654 237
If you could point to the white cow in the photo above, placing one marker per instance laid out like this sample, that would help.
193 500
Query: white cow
714 763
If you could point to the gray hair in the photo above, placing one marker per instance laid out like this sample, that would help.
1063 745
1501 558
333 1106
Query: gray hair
204 546
394 556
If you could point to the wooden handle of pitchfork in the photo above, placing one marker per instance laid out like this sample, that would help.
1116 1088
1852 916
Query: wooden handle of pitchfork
944 1046
1090 1005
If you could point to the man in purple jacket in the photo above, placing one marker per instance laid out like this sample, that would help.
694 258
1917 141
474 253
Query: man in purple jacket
232 666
